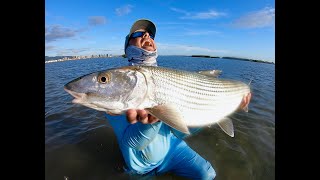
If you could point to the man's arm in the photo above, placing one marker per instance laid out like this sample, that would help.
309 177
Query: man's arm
136 130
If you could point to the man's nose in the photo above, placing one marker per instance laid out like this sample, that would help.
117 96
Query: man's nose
146 34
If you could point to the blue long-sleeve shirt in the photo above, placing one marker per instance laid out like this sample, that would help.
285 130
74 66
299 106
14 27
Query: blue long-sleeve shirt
144 146
154 148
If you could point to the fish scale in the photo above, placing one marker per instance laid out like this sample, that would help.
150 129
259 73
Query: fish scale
180 85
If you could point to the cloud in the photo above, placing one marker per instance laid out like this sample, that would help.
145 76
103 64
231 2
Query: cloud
55 32
205 15
97 20
124 10
87 51
211 14
76 51
176 23
187 48
256 19
50 48
199 32
71 51
180 11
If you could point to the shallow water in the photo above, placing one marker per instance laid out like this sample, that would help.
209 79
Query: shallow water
80 144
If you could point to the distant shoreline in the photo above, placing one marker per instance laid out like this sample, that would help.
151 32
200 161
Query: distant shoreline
234 58
66 58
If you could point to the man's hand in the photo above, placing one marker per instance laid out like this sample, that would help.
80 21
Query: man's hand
245 102
134 116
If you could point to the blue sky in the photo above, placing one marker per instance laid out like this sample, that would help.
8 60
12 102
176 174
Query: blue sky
209 27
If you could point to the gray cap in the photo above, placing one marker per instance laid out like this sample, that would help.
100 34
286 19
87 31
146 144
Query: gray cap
140 24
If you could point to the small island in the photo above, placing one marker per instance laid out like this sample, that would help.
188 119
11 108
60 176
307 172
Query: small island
49 59
234 58
204 56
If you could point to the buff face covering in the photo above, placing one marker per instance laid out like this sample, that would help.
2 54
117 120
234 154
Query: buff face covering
139 56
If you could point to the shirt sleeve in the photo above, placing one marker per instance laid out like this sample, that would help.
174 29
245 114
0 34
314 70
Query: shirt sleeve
181 135
137 135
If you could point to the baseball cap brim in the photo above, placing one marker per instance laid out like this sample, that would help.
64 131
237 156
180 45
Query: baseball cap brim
141 24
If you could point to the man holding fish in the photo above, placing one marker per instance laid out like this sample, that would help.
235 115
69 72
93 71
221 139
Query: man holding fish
151 109
148 146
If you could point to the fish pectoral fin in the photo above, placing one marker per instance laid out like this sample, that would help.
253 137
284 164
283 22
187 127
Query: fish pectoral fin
227 126
211 73
170 115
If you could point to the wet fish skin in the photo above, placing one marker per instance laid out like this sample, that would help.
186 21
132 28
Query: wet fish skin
113 91
179 98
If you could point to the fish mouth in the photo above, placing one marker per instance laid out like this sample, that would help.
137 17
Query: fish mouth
78 97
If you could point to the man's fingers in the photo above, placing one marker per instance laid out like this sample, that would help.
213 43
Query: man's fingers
152 119
131 116
142 116
144 121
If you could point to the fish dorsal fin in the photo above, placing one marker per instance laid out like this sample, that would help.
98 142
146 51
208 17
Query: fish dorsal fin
211 73
227 126
170 115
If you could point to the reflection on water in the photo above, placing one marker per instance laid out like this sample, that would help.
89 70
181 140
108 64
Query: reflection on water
80 144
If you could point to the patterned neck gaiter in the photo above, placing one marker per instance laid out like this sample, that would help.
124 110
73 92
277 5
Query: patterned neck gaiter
139 56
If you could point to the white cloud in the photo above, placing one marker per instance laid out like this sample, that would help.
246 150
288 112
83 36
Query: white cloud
186 49
211 14
49 47
82 51
199 32
180 11
205 15
55 32
124 10
72 51
176 23
97 20
256 19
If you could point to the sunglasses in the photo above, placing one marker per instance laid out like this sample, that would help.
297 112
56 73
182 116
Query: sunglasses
140 34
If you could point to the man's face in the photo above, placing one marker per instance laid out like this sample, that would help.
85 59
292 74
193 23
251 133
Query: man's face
144 42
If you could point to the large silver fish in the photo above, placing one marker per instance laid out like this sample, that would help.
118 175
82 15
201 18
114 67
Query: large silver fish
179 98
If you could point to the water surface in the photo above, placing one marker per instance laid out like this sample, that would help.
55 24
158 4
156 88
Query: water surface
80 144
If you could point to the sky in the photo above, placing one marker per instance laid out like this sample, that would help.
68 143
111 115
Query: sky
244 29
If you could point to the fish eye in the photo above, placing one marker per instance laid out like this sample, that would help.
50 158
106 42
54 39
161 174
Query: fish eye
104 78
